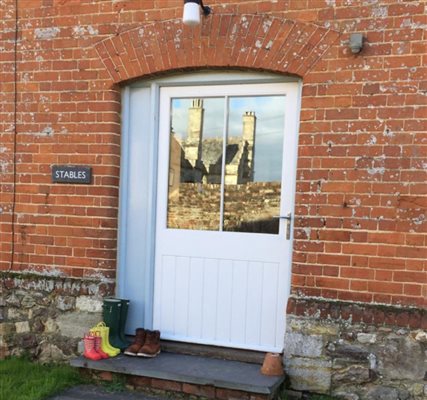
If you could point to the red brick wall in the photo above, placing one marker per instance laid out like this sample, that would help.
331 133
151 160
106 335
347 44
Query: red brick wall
7 35
361 192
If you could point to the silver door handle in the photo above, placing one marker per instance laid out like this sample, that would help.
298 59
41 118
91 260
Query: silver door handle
288 218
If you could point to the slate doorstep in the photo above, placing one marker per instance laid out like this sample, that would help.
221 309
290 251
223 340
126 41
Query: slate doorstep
92 392
196 370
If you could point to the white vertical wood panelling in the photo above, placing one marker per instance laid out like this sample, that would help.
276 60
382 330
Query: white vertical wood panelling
196 297
210 290
167 305
182 284
282 297
223 317
227 302
238 302
270 284
254 306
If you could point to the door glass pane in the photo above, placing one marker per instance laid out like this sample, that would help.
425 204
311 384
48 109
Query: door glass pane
253 170
196 144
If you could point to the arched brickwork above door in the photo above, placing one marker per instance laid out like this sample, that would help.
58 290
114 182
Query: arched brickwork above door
225 41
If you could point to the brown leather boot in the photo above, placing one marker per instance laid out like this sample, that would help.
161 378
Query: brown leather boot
151 346
140 337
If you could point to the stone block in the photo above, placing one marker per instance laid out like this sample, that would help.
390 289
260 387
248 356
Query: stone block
387 393
366 338
16 314
37 325
312 327
13 301
27 302
65 303
4 352
48 352
346 396
313 375
353 374
50 326
341 349
421 336
89 304
418 389
26 341
7 328
22 327
297 344
324 329
402 358
75 324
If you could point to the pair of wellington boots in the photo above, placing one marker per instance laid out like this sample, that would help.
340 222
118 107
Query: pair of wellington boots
102 331
115 314
93 347
146 344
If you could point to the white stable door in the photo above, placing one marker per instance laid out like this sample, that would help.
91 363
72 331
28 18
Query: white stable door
226 182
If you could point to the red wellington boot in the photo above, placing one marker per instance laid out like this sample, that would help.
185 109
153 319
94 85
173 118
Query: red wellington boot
90 352
98 347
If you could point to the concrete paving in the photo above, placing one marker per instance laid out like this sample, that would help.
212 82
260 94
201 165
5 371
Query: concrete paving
92 392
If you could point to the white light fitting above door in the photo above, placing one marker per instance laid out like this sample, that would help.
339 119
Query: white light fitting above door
191 15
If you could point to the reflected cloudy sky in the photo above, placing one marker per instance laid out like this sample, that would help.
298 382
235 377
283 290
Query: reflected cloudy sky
269 111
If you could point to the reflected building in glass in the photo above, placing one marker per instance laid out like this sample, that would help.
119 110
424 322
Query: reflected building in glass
203 156
208 192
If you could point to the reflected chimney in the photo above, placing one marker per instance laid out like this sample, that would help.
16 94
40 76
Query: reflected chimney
248 134
193 144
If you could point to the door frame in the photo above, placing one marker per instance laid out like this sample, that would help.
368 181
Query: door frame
138 182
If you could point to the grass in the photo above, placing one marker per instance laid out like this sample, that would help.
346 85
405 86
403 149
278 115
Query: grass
21 379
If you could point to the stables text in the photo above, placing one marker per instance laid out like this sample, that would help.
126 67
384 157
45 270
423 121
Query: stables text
71 174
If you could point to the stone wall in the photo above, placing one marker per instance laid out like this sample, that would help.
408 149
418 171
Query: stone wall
47 317
196 206
354 351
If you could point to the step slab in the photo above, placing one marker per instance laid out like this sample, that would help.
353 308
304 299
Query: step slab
188 369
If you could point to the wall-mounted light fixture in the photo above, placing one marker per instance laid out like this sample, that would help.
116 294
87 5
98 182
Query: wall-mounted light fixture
191 14
356 43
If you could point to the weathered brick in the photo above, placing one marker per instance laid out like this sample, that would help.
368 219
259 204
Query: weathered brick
166 385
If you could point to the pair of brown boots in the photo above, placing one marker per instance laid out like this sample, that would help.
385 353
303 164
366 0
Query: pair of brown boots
146 344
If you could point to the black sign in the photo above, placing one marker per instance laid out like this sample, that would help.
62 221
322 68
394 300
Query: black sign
71 174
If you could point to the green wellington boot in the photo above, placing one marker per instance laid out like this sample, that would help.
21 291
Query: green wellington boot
123 317
111 313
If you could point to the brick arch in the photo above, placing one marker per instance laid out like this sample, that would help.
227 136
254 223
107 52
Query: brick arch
224 41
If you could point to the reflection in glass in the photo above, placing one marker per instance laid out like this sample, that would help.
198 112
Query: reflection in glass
253 171
240 193
194 171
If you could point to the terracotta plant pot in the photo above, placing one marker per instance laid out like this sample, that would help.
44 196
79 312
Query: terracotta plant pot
272 365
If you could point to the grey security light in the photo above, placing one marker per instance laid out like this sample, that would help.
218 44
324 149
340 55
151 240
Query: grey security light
356 43
191 14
